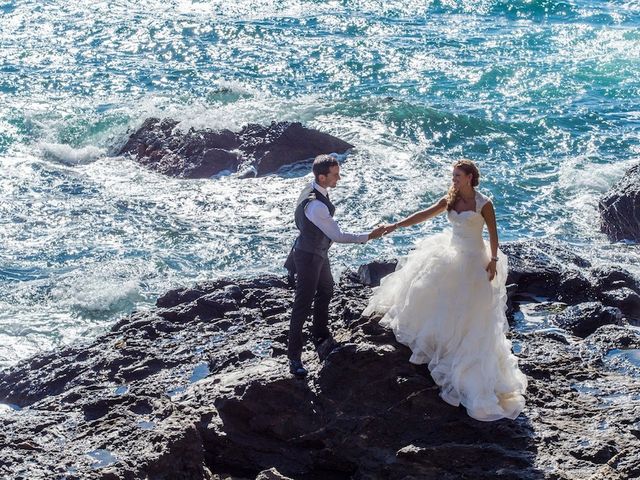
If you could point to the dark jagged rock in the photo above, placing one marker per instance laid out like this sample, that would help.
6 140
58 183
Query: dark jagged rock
626 300
620 208
284 143
585 318
550 269
607 278
255 150
199 389
371 273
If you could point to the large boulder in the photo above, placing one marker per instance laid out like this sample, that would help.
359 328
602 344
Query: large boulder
255 150
269 148
371 273
620 208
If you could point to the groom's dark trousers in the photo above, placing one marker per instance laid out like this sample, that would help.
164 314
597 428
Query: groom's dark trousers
314 285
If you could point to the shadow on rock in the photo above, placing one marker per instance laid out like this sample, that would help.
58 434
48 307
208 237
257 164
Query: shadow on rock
363 413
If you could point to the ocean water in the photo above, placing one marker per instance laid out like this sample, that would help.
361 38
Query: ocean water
543 94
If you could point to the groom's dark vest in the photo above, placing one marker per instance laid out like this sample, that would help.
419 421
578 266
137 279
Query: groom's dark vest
311 238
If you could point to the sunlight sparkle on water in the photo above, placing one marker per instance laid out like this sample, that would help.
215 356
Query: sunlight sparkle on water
542 95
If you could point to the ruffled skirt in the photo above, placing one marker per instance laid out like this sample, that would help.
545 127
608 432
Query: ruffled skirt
441 304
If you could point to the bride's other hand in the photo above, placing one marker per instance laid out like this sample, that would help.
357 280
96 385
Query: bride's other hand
491 269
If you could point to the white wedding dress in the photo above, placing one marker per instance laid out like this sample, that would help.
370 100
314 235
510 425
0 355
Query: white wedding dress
439 302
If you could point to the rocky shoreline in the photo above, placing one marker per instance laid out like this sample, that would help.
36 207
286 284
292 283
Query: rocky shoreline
198 388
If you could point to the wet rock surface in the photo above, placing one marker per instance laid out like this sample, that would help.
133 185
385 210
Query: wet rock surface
372 273
256 150
198 388
620 208
585 318
550 269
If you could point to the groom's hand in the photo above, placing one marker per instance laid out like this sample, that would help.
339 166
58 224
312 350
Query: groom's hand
389 228
377 232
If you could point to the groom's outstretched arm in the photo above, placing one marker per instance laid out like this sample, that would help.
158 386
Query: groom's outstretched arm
318 213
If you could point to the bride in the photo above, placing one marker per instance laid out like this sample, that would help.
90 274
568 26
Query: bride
447 301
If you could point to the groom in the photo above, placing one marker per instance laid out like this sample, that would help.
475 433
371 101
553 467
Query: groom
309 259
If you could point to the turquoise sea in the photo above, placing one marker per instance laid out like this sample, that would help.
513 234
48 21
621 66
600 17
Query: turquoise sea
543 94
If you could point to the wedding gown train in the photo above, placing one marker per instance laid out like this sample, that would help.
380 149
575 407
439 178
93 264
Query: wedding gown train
440 303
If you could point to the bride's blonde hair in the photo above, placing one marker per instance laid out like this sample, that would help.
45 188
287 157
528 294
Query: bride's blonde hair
468 167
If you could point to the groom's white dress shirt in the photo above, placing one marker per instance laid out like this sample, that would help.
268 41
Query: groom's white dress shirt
318 214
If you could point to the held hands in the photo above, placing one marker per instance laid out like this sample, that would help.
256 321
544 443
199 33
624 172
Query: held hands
381 230
390 228
377 232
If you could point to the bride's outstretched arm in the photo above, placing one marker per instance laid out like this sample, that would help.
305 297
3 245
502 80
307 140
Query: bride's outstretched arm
490 218
423 215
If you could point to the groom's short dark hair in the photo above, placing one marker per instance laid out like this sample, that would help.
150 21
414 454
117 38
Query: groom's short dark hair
322 164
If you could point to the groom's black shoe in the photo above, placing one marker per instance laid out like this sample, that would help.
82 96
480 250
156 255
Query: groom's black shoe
295 367
324 347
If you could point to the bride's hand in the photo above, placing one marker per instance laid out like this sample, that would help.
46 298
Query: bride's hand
389 228
491 269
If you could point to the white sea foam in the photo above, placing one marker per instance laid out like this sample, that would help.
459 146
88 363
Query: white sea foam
95 291
582 182
262 109
7 408
69 155
237 86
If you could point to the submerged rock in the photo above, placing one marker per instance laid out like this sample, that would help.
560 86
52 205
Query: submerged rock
255 150
620 208
199 388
